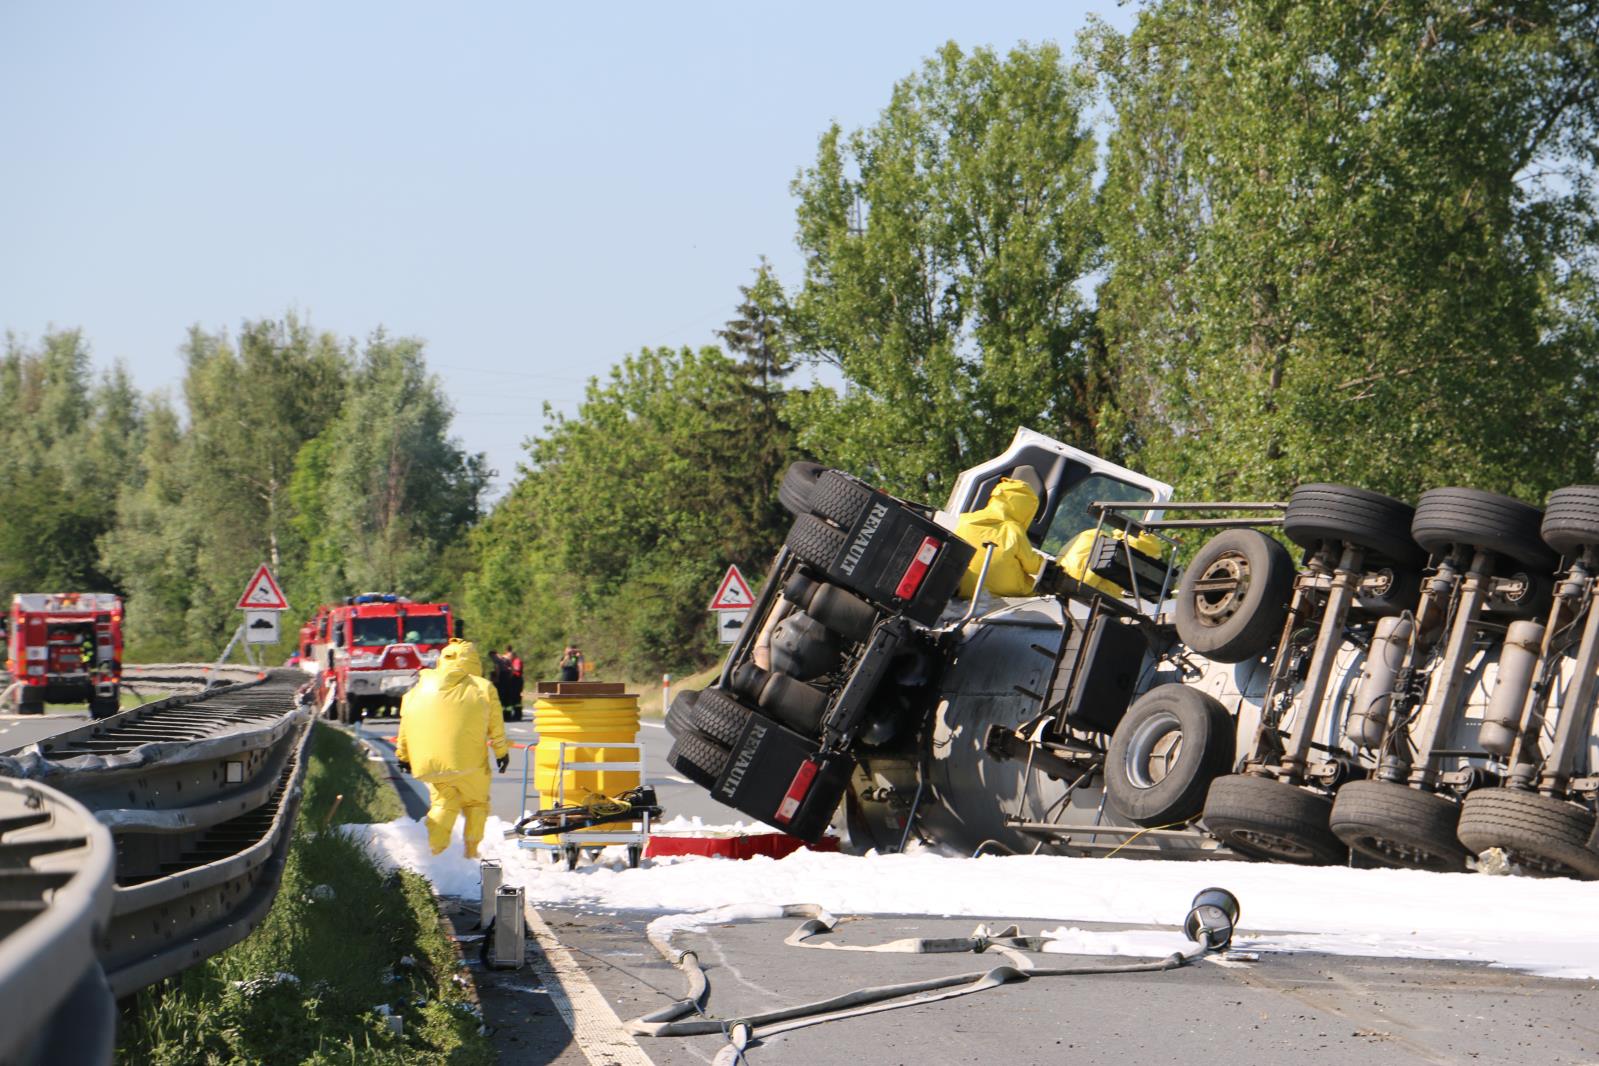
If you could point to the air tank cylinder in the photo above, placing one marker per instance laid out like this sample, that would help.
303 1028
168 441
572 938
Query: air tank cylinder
1518 663
1368 718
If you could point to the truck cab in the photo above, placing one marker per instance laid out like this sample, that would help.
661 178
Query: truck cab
65 647
368 650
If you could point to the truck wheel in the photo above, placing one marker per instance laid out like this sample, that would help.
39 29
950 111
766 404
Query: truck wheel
1541 834
1571 519
1268 819
1399 826
1234 596
1380 524
679 716
698 758
1483 520
795 704
25 705
839 498
719 716
1165 753
105 708
814 541
798 485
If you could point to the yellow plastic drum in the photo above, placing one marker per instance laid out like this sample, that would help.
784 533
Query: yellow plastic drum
591 714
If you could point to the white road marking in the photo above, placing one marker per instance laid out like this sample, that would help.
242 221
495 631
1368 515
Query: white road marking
595 1026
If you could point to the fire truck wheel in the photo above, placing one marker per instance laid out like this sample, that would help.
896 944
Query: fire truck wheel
1165 752
1471 518
24 705
799 483
1540 834
698 758
679 716
719 716
1399 826
839 498
814 541
1267 819
1571 519
104 708
1234 596
1379 524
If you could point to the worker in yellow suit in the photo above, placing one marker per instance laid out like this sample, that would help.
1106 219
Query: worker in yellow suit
448 721
1003 522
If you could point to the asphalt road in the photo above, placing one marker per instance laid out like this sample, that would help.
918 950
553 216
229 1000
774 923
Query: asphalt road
1274 1009
19 730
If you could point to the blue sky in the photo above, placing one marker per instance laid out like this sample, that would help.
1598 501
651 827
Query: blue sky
534 190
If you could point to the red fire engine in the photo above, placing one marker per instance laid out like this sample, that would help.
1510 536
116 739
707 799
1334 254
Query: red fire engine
367 650
65 647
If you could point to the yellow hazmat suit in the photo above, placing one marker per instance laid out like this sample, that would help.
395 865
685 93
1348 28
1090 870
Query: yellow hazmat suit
1002 521
447 721
1074 560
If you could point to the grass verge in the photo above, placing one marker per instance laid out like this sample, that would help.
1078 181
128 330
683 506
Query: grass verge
342 943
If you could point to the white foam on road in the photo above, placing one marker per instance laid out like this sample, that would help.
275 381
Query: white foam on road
1545 927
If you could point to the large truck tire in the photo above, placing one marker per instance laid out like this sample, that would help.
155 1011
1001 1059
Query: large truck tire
1268 819
1165 753
719 716
799 482
679 716
1380 524
1571 519
1399 826
1540 834
698 758
1483 520
104 708
1231 625
27 702
814 541
839 498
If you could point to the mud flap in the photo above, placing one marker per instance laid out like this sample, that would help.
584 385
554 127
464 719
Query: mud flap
783 779
897 557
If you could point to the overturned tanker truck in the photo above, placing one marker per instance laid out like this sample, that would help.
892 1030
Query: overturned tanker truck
1417 689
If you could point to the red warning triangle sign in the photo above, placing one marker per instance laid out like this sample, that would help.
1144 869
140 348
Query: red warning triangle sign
733 594
262 593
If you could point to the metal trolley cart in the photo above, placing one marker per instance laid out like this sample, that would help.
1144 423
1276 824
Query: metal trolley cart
631 826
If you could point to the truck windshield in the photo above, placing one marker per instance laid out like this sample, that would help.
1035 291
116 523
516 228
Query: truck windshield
1072 516
375 632
427 628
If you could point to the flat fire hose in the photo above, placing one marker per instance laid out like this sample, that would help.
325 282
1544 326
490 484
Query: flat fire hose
744 1032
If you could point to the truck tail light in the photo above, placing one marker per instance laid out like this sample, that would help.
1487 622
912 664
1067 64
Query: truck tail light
797 791
916 573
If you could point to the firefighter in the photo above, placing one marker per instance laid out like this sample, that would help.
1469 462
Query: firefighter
1003 522
447 721
86 651
514 662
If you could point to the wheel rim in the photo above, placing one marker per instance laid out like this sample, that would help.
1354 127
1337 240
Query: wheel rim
1273 844
1154 749
1221 589
1404 853
1541 865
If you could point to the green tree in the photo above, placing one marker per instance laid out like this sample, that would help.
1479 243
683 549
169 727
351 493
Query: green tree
67 445
384 490
946 248
1352 241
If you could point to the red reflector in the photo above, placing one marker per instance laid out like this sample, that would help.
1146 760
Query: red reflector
917 571
796 791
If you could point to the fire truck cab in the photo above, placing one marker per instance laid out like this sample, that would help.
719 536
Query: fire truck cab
367 650
65 647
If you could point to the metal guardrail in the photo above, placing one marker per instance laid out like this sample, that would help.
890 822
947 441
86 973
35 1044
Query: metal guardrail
55 901
197 793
